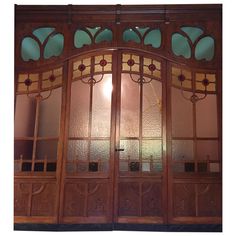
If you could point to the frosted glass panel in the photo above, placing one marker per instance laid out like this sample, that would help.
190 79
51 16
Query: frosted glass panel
131 149
100 150
152 105
182 115
129 121
77 150
79 109
207 149
206 117
24 116
101 112
182 149
46 148
152 150
49 114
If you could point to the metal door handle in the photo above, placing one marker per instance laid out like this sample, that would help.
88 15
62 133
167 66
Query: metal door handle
119 149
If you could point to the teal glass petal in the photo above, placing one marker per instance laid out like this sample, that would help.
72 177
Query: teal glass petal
142 30
130 35
42 33
192 32
105 35
54 46
153 38
81 38
205 48
180 46
93 31
30 49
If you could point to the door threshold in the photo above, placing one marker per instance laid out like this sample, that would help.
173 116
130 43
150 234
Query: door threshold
120 227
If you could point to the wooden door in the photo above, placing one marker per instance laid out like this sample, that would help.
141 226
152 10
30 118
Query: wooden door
140 184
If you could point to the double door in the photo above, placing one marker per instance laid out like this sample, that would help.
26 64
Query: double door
115 165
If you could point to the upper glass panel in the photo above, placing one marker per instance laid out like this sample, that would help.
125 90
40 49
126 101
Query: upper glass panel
43 41
88 36
192 42
143 35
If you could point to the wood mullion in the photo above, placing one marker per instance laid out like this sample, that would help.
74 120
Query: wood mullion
36 125
194 124
90 107
140 112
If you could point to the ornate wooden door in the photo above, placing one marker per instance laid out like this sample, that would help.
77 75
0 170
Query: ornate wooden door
140 184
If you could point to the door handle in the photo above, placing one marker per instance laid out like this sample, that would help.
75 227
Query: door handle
119 149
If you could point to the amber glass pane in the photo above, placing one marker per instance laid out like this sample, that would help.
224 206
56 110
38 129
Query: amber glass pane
79 109
101 112
131 149
182 149
206 117
207 149
152 109
24 116
182 114
77 150
130 103
46 149
23 149
49 114
152 150
99 150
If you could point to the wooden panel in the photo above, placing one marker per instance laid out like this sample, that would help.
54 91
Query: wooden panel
35 198
129 199
151 199
74 200
21 198
85 200
143 199
209 200
43 199
184 200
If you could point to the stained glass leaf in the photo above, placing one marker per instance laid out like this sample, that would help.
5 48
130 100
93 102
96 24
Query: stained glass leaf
30 49
81 38
180 45
192 32
153 38
54 46
105 35
42 33
130 35
205 49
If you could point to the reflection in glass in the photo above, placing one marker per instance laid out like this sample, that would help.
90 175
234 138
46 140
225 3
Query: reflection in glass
24 116
206 117
46 149
182 114
100 150
129 120
77 150
23 149
182 149
131 149
79 109
101 112
49 114
152 108
207 150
